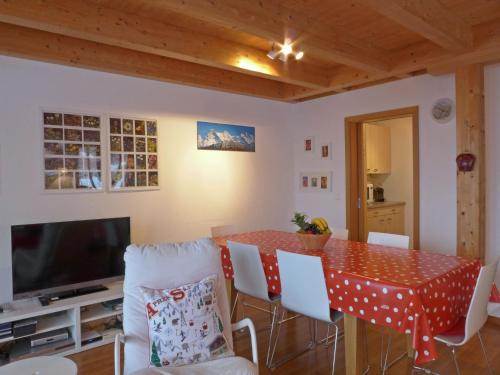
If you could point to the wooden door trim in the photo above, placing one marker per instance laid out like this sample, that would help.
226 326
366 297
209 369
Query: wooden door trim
354 179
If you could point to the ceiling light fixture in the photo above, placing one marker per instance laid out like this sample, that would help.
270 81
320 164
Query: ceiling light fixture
285 50
299 55
273 53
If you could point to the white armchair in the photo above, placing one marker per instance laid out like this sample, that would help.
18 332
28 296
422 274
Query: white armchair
167 266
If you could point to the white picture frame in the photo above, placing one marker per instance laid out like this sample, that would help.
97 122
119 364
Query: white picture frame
64 170
304 182
123 171
319 182
308 145
325 151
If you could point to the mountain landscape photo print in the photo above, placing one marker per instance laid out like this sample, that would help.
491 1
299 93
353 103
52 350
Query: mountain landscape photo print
224 137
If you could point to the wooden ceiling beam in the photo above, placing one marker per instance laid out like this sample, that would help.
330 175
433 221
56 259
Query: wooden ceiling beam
82 20
28 43
486 51
414 58
428 18
269 20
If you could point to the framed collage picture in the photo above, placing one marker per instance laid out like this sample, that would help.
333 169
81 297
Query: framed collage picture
72 159
315 181
133 153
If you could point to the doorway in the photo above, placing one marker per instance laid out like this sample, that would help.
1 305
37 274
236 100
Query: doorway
382 174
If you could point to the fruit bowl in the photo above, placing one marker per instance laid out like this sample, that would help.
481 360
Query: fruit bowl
313 241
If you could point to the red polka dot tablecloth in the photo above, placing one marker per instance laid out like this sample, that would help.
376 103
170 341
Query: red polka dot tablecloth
412 291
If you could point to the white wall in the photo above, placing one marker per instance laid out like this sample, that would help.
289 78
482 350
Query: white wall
398 185
198 188
202 188
324 119
492 98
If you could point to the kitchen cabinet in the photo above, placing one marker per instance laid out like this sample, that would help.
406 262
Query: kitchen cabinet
378 149
389 219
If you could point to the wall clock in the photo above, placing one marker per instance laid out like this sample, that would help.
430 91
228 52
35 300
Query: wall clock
443 110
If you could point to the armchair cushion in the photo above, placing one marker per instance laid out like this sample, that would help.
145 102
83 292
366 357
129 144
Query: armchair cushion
184 324
160 267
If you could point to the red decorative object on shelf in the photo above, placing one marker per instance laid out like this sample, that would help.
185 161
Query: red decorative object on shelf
465 162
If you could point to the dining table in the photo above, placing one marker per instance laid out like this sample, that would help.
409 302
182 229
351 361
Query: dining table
416 292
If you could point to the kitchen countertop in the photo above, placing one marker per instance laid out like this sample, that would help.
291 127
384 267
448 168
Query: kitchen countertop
384 204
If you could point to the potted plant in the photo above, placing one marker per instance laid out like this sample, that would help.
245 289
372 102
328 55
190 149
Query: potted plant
314 234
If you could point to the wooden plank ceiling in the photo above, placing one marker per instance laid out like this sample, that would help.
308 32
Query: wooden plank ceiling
223 44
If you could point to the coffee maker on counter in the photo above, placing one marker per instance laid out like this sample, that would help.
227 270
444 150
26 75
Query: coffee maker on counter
378 194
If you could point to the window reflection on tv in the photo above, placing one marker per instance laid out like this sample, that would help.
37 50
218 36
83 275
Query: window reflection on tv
53 255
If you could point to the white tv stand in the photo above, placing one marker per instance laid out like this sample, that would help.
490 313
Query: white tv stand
66 313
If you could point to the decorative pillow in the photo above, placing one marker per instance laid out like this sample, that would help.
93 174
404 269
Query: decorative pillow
184 324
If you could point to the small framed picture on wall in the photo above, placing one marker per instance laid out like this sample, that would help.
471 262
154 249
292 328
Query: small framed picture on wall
305 182
315 182
309 144
325 181
326 151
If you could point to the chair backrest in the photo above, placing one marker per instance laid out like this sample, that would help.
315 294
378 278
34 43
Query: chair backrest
389 239
340 233
160 267
303 285
249 277
223 230
478 309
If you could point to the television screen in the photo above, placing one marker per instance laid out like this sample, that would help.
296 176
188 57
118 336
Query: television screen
51 256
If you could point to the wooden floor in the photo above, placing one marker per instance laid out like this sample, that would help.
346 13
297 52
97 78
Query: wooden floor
100 361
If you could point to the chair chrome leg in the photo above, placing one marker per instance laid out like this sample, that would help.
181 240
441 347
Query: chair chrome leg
234 305
270 362
382 333
367 370
243 315
273 325
335 348
423 369
484 352
455 360
327 340
384 364
291 356
327 334
385 367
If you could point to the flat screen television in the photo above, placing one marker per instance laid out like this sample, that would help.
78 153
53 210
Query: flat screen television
54 257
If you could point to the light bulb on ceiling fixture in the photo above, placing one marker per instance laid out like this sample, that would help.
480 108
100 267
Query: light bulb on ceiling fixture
299 55
286 49
272 54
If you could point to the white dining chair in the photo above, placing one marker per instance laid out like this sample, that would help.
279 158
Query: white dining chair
389 239
250 280
476 317
340 233
223 230
392 240
303 291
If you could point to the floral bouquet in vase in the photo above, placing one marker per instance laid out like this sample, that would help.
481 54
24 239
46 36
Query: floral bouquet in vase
312 234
